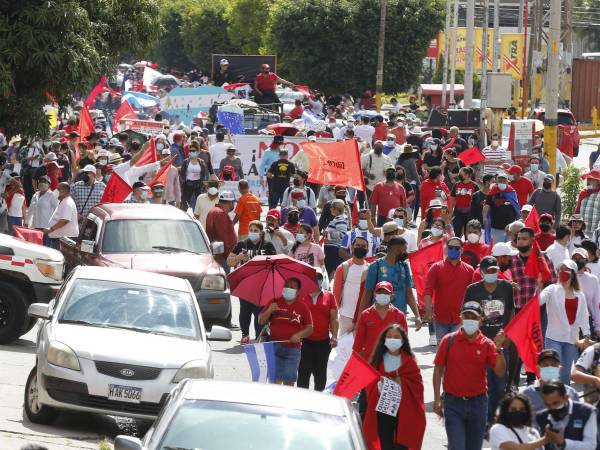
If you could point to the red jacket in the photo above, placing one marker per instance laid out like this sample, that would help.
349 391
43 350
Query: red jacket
219 227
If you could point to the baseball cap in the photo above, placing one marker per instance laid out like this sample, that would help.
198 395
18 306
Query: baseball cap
589 245
502 175
548 353
569 263
473 307
138 184
226 196
385 286
89 168
165 151
527 208
51 156
389 227
549 177
274 213
503 249
278 138
488 262
515 170
435 203
224 61
581 252
114 142
547 216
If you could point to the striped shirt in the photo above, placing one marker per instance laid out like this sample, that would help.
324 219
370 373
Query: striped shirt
335 231
498 154
590 211
373 241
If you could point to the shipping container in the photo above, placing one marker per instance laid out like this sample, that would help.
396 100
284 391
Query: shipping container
585 88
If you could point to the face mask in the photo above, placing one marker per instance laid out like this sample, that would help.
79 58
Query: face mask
300 238
160 146
436 232
43 186
213 191
470 326
158 192
390 176
453 253
580 264
289 294
517 418
559 414
391 142
434 147
534 167
545 227
461 178
253 236
193 155
399 176
490 277
564 276
547 185
301 203
399 221
363 224
524 248
106 178
393 344
293 219
501 186
473 238
359 252
549 373
332 125
590 187
103 161
144 195
296 182
382 299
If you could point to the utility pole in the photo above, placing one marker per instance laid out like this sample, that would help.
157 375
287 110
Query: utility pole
379 80
453 52
552 84
469 57
482 133
446 56
496 48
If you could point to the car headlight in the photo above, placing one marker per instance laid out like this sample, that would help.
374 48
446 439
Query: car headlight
61 355
213 283
192 369
50 269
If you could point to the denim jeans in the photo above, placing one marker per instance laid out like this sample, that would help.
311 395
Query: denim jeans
568 354
498 235
247 310
14 221
496 389
287 360
465 421
442 329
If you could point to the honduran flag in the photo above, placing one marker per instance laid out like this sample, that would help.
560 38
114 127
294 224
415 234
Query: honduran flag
261 358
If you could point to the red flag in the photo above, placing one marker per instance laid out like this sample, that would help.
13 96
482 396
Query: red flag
125 111
85 127
89 101
533 220
29 235
357 375
149 155
355 211
334 163
303 88
536 264
421 261
525 332
471 156
116 191
161 175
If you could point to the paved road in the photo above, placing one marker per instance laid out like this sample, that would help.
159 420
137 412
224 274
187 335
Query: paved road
86 431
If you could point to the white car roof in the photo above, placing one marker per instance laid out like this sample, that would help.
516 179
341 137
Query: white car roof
265 395
132 276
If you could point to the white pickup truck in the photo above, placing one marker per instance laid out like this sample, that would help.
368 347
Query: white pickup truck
29 273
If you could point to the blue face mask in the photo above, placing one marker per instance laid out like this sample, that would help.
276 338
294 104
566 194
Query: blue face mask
363 224
501 186
253 236
549 373
300 238
470 326
490 277
289 294
453 253
301 203
399 222
393 344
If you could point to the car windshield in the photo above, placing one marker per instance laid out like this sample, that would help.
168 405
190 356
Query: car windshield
565 119
213 425
149 236
131 306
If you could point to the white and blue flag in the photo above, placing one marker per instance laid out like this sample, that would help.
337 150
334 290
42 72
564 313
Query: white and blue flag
261 358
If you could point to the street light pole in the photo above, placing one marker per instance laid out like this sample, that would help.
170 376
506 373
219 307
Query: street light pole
446 55
552 84
379 80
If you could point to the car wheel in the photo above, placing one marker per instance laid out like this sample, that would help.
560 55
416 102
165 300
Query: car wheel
36 412
13 313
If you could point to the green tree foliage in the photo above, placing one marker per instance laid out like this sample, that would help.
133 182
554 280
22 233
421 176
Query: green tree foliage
332 44
169 49
248 24
570 188
61 47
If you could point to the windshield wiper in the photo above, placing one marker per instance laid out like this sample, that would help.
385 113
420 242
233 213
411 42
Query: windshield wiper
179 448
174 249
78 322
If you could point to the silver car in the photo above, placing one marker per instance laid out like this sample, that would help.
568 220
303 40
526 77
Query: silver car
116 341
217 415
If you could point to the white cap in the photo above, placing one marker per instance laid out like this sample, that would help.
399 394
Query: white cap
527 207
114 142
103 153
503 249
89 168
165 151
570 264
224 61
581 252
51 156
227 196
435 203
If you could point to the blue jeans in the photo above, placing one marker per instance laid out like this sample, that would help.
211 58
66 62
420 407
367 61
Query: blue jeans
287 360
14 221
568 354
498 235
496 388
442 329
465 421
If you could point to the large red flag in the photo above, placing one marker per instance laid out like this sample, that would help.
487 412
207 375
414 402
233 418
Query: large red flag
421 261
525 332
89 101
29 235
161 175
536 264
85 127
533 220
334 163
357 375
149 155
117 189
471 156
125 111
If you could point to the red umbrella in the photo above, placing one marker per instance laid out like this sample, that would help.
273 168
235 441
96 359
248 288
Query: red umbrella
262 278
285 129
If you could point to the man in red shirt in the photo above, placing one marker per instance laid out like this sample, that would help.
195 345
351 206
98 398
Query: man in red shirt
445 288
381 130
290 321
219 226
521 185
462 361
315 348
386 196
266 83
546 237
373 320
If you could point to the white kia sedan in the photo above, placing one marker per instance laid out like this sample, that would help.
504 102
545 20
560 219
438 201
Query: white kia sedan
116 341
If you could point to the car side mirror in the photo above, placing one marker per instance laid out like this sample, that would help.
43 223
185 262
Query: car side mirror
88 246
218 333
128 443
218 248
39 311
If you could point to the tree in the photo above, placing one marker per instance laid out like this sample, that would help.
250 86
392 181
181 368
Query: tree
248 22
169 49
59 47
332 44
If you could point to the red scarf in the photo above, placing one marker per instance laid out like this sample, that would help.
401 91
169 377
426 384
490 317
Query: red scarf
53 171
10 196
583 195
411 414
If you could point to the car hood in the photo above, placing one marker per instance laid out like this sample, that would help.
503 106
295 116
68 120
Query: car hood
115 345
175 264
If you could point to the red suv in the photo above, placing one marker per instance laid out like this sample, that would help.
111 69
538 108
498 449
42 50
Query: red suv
568 124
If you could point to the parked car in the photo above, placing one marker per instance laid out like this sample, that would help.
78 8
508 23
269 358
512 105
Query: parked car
156 238
567 119
215 415
116 341
28 273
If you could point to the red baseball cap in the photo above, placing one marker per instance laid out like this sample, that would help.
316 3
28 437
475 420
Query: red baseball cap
593 174
547 216
515 169
274 213
384 285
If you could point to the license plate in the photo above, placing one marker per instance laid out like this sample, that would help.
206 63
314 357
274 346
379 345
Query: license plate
127 394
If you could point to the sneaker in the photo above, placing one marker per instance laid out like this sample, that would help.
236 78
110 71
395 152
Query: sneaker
245 340
432 340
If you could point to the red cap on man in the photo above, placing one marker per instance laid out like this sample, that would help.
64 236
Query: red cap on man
384 286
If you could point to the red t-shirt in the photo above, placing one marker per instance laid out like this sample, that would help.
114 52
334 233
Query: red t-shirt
466 364
571 309
320 311
502 275
388 197
447 284
463 193
266 81
545 240
370 325
292 228
472 253
288 320
429 191
381 132
524 189
296 112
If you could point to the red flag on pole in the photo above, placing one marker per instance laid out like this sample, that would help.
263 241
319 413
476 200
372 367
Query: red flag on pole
357 375
533 220
85 127
525 332
125 111
149 155
117 189
536 264
355 211
471 156
421 261
29 235
89 101
334 163
161 175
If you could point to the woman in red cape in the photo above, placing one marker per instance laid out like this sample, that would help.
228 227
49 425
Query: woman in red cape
394 359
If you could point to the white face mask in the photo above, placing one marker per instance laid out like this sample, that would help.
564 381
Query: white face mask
212 191
436 232
470 326
393 344
103 161
363 224
383 299
43 186
391 142
473 238
289 293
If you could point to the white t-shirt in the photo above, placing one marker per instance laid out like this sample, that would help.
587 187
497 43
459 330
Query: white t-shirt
16 205
411 240
66 209
203 205
218 151
499 434
193 171
594 267
351 289
586 359
365 132
41 209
